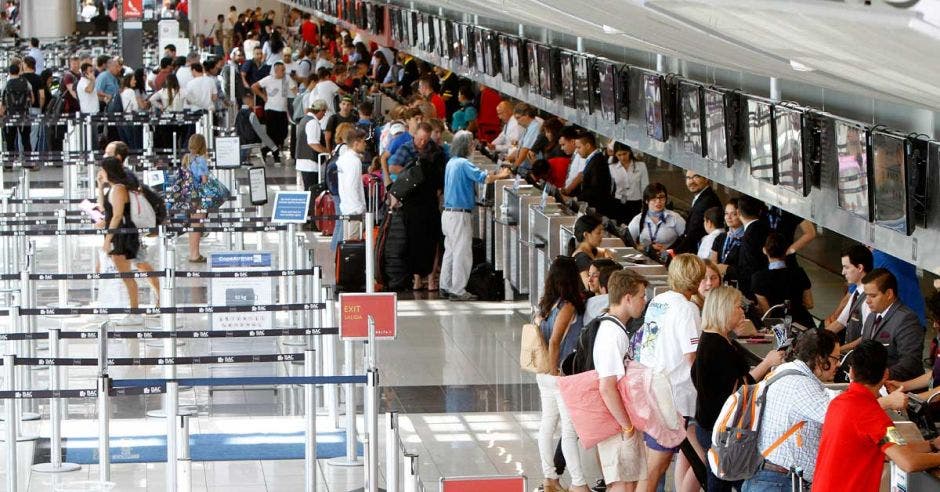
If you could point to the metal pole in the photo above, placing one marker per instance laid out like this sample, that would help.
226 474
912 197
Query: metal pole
104 432
283 261
392 448
172 400
185 460
55 464
9 362
310 424
349 390
371 410
331 391
370 252
411 478
62 254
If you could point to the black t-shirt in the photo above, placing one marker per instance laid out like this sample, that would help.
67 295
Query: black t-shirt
781 285
731 256
583 261
719 369
36 82
338 119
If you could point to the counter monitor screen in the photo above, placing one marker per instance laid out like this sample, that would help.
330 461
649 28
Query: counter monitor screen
491 50
692 117
451 42
582 83
889 179
532 65
547 65
517 68
652 90
504 61
852 154
760 139
567 80
465 46
622 81
788 125
479 53
607 83
396 24
440 43
716 133
413 26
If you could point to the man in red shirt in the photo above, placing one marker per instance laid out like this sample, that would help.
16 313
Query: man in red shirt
426 89
308 30
857 433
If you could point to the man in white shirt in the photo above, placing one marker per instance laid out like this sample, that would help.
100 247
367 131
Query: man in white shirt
671 329
352 195
622 456
37 54
87 97
512 133
327 90
857 261
568 141
200 92
310 143
185 74
273 89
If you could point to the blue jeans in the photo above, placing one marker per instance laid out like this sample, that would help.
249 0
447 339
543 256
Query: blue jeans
338 229
768 481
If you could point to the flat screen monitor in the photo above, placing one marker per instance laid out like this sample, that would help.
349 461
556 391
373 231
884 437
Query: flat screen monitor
491 50
517 66
440 45
788 148
451 41
607 89
413 26
532 66
428 42
693 118
653 96
479 54
548 65
582 83
760 139
378 19
464 46
716 130
852 155
569 97
395 19
889 181
623 93
504 61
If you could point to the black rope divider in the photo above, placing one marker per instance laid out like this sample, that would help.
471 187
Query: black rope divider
78 311
243 381
72 213
154 389
160 274
157 335
40 213
144 230
157 361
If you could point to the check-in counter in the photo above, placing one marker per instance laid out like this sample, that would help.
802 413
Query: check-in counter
518 201
484 215
498 245
544 227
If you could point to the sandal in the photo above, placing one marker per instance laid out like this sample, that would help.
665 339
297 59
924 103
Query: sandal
198 259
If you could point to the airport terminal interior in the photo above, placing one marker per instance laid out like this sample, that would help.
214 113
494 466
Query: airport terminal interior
300 245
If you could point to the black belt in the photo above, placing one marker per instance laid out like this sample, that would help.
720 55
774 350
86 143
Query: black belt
460 210
775 468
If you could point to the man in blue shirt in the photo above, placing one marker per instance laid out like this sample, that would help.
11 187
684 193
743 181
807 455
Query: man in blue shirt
460 178
107 84
527 117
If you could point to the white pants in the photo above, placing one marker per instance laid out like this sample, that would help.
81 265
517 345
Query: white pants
458 251
553 411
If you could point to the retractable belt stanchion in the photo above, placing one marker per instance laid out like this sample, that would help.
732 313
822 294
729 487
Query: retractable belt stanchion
184 457
28 323
104 406
172 402
371 412
328 343
55 464
296 290
310 424
8 366
62 257
349 391
410 481
392 464
168 324
6 259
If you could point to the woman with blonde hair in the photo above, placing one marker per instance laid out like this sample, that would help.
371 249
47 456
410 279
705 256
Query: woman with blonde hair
721 367
197 160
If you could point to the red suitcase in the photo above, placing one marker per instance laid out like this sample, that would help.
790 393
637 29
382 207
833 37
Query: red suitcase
324 205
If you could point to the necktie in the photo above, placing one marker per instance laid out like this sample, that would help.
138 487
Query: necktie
874 326
854 298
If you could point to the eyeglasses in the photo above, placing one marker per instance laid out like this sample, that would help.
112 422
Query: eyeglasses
658 197
835 359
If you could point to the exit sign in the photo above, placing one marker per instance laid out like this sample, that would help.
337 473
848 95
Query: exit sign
354 312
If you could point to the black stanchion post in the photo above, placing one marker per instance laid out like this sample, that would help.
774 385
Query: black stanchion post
310 424
55 464
8 365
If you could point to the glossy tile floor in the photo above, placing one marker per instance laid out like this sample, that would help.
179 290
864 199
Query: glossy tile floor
466 408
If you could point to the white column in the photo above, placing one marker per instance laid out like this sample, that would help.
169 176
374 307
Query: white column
48 18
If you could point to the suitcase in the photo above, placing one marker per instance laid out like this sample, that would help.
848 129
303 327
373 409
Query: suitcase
324 205
392 254
351 266
486 283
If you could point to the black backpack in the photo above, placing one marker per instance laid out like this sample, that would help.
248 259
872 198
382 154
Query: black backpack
16 96
486 283
115 105
582 359
157 202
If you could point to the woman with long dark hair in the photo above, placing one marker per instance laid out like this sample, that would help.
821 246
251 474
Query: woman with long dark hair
588 232
560 319
168 98
655 229
114 198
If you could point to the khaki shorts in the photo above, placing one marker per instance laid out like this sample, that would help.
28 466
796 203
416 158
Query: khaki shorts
623 459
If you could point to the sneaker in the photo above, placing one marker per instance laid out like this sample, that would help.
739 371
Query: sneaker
600 486
443 294
130 320
466 296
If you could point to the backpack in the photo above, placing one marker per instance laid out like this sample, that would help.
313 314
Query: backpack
582 359
332 171
298 109
142 212
16 96
486 283
115 105
156 202
372 145
735 452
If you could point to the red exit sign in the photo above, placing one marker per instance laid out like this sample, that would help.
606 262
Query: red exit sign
489 484
354 312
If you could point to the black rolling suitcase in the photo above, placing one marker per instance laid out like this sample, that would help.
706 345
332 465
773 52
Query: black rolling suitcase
351 255
392 254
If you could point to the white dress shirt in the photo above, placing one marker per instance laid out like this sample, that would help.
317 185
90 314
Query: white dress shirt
629 184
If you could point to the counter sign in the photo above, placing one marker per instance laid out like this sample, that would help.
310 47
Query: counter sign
355 309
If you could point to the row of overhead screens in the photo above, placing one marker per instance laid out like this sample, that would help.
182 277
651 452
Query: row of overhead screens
879 175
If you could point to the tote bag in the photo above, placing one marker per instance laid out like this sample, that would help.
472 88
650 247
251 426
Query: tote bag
533 356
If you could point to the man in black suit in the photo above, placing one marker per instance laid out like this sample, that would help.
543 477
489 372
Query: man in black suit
703 198
596 186
751 256
894 325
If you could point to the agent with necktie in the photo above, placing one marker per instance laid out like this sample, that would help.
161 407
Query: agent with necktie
893 324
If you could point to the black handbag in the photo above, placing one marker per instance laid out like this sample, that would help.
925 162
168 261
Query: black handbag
409 180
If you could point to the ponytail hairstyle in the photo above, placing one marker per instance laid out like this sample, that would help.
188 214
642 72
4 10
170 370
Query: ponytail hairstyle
649 193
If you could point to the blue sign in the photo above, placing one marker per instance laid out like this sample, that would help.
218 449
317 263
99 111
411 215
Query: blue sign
241 259
290 207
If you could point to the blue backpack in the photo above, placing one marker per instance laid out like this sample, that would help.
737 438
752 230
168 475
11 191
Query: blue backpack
332 172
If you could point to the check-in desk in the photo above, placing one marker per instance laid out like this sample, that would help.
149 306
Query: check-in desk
517 232
500 224
545 225
484 214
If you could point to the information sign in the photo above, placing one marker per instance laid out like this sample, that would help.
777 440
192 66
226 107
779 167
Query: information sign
356 308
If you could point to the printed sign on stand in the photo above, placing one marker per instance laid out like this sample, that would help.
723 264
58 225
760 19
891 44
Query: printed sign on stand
290 207
515 483
227 152
241 291
355 309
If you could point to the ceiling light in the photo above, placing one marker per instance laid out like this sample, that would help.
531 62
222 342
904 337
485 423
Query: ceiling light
611 30
799 67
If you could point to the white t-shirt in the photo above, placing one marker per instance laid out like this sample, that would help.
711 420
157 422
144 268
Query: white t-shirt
162 97
249 46
670 331
352 196
610 349
705 246
129 100
843 318
184 75
326 90
199 93
87 101
276 89
314 136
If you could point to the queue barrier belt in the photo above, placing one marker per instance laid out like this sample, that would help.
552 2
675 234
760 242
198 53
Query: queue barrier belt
157 334
156 361
159 274
257 308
